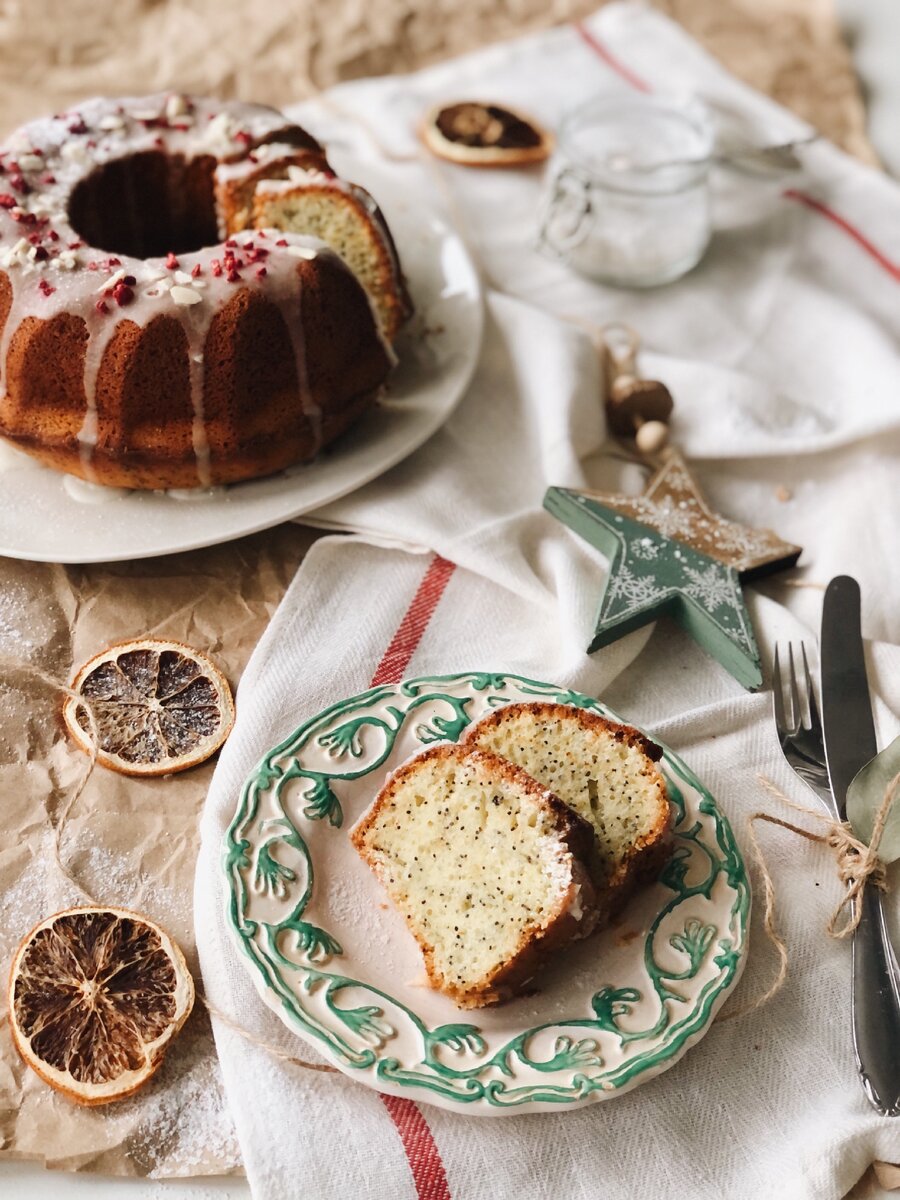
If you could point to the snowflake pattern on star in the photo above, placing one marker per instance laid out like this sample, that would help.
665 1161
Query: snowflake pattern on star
679 478
673 506
645 549
671 519
654 574
633 591
713 589
750 544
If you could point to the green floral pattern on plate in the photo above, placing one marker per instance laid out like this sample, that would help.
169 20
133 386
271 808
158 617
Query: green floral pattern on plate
683 963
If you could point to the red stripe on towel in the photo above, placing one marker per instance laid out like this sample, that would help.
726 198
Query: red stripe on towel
817 206
409 632
422 1153
421 1150
610 59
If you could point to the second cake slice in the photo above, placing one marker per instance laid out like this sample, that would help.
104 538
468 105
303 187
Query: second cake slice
604 771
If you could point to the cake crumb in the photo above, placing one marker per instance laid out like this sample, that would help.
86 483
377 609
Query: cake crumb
626 936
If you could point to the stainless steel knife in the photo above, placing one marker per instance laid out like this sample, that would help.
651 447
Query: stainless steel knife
849 744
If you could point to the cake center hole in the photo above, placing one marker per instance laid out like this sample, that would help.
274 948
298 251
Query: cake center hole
145 205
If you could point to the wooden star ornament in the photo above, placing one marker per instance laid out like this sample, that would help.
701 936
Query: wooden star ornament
670 554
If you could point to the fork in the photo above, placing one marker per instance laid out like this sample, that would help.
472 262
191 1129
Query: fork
802 745
876 976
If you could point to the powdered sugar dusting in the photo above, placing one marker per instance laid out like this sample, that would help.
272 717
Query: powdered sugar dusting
179 1124
112 879
183 1124
24 625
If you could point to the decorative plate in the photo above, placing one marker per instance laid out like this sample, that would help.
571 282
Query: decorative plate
50 517
333 958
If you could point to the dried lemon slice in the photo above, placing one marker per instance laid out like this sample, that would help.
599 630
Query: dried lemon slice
95 997
157 706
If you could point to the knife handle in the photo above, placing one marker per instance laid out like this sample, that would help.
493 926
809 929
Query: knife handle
876 1007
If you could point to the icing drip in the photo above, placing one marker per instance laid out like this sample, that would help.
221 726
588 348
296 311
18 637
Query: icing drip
100 329
199 437
91 493
310 409
196 495
198 425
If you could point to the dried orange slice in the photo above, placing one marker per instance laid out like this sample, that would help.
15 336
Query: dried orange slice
95 997
158 707
474 133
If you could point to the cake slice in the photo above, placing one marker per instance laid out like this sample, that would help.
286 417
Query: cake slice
605 772
486 866
346 218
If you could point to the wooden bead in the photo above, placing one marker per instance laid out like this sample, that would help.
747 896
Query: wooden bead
651 437
632 401
623 386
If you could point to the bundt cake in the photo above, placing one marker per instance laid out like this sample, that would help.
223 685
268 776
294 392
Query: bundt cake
152 333
604 771
486 867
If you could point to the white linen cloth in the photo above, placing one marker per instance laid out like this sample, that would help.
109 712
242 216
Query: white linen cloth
781 352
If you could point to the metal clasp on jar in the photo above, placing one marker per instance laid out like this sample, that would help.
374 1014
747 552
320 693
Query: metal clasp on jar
565 218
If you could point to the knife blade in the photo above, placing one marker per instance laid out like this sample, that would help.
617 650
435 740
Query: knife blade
850 743
846 707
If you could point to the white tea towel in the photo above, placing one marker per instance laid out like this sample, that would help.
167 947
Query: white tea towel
781 350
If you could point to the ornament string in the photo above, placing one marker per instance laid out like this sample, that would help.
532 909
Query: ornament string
275 1051
58 824
858 867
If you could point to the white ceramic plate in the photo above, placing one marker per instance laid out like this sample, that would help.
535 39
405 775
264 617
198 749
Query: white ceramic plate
41 520
335 961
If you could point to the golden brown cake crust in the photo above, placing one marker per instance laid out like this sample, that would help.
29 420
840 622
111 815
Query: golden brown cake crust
254 423
649 852
544 710
533 947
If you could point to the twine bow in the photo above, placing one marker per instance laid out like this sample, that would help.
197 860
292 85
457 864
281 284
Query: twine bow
858 865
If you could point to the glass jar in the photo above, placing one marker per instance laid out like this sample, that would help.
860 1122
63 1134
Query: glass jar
629 199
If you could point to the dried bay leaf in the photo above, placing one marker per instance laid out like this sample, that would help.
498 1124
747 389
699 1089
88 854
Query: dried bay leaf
865 795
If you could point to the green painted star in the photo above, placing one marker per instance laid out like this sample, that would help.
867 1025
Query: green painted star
652 575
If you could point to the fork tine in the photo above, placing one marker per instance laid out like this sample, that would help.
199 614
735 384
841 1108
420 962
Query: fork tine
778 696
796 710
814 719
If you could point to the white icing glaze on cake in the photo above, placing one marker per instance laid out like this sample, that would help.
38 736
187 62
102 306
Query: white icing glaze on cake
267 154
